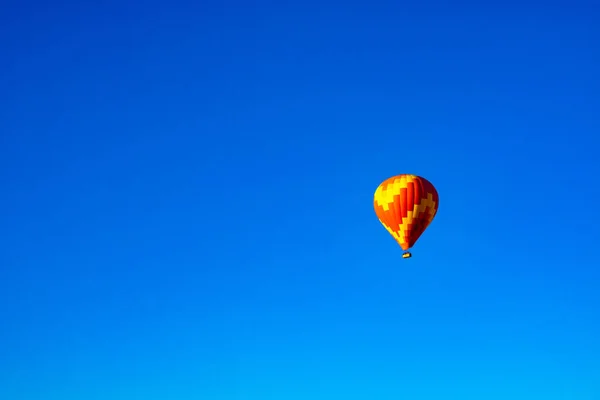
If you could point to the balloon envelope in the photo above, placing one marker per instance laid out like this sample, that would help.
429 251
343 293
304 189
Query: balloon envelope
406 204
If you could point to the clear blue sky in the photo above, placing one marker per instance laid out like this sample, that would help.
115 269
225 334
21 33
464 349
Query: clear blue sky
187 201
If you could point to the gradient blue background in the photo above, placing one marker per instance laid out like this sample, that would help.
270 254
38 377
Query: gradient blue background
187 201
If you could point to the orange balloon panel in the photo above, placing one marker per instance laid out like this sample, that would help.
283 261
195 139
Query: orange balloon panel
406 205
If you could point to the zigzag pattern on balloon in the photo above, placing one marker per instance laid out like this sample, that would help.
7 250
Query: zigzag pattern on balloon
406 205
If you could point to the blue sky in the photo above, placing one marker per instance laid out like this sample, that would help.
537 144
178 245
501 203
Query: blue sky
187 201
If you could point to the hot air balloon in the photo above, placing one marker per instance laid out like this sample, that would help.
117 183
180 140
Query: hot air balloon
405 205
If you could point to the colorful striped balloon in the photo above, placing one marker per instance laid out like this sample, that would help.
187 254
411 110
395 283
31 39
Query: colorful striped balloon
405 205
